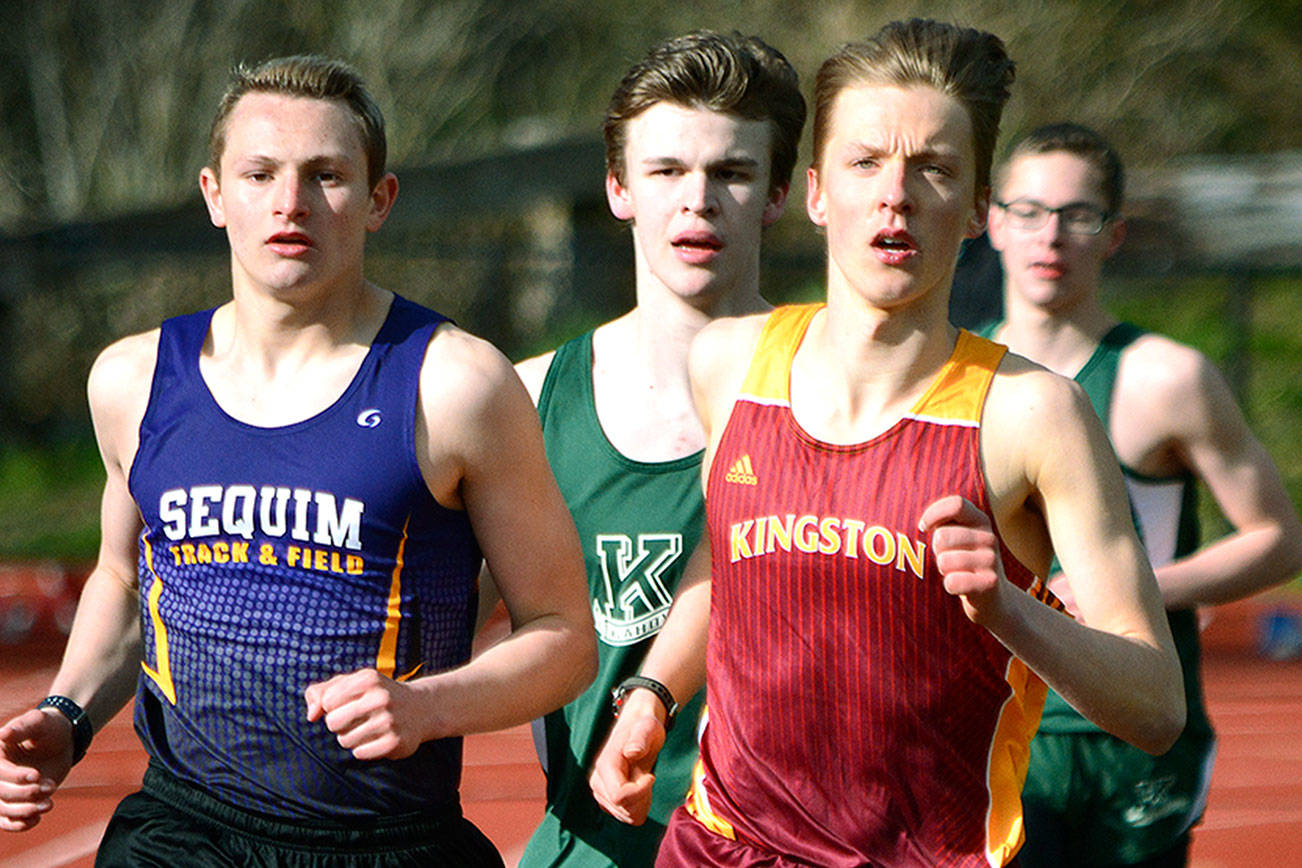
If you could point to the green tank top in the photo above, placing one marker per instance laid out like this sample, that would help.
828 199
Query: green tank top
638 523
1165 512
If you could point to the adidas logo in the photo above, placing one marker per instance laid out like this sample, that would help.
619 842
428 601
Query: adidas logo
741 472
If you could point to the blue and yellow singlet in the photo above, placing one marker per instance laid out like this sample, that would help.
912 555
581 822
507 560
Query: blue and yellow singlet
274 558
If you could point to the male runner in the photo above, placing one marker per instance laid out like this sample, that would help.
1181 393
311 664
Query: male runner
701 138
307 475
881 489
1091 799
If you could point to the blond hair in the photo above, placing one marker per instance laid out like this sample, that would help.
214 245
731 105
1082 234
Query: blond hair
967 64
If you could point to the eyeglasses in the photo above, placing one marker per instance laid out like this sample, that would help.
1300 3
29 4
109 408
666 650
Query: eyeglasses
1077 218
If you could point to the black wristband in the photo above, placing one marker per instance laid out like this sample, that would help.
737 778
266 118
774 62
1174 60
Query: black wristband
82 731
662 693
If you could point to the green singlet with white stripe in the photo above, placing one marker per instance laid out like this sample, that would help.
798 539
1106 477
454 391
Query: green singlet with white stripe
1117 804
638 523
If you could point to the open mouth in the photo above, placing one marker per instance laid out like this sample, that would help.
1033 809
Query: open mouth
894 246
289 243
702 241
697 248
1048 270
290 238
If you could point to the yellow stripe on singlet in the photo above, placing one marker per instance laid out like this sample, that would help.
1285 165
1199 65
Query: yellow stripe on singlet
1009 754
386 660
698 800
162 676
768 380
958 393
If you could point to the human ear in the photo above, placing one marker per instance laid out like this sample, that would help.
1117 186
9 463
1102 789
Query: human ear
976 223
382 198
212 196
815 207
776 204
1118 235
621 203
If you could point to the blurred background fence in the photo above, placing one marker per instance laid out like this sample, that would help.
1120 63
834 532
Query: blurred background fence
494 110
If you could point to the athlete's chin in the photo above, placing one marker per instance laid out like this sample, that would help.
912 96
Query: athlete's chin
292 283
1051 295
698 285
896 290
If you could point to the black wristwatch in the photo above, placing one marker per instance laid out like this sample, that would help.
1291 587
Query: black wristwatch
82 731
662 693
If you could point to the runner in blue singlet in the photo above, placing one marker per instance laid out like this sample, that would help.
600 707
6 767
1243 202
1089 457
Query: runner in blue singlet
300 486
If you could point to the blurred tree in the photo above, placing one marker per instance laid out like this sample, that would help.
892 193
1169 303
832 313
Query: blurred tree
105 106
106 102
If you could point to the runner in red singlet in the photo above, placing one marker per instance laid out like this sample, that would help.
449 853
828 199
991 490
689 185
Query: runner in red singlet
881 489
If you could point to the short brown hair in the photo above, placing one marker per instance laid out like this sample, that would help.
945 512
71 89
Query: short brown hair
313 77
1079 141
967 64
727 73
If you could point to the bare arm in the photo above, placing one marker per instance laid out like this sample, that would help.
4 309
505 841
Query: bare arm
621 777
532 550
532 372
488 458
101 662
1050 468
1175 409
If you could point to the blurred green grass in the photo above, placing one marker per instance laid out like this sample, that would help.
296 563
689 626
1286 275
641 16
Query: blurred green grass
1198 311
49 495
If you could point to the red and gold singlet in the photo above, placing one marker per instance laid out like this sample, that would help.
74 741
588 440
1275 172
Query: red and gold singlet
856 716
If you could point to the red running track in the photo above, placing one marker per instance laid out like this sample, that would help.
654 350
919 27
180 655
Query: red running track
1254 817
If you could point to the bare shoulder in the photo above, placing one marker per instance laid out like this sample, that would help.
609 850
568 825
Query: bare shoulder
1164 376
471 407
464 373
118 391
1045 453
124 367
533 372
731 329
722 350
1025 393
717 363
1171 405
1032 419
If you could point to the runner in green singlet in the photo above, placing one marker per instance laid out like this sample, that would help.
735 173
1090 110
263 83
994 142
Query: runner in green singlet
1090 799
701 138
905 122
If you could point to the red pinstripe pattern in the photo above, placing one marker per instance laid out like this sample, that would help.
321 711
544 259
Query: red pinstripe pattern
852 704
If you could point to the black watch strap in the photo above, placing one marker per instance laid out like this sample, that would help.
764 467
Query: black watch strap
82 731
662 693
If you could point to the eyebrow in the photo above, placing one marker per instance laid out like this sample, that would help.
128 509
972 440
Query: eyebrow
311 164
934 153
926 152
1078 203
327 161
939 153
729 161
